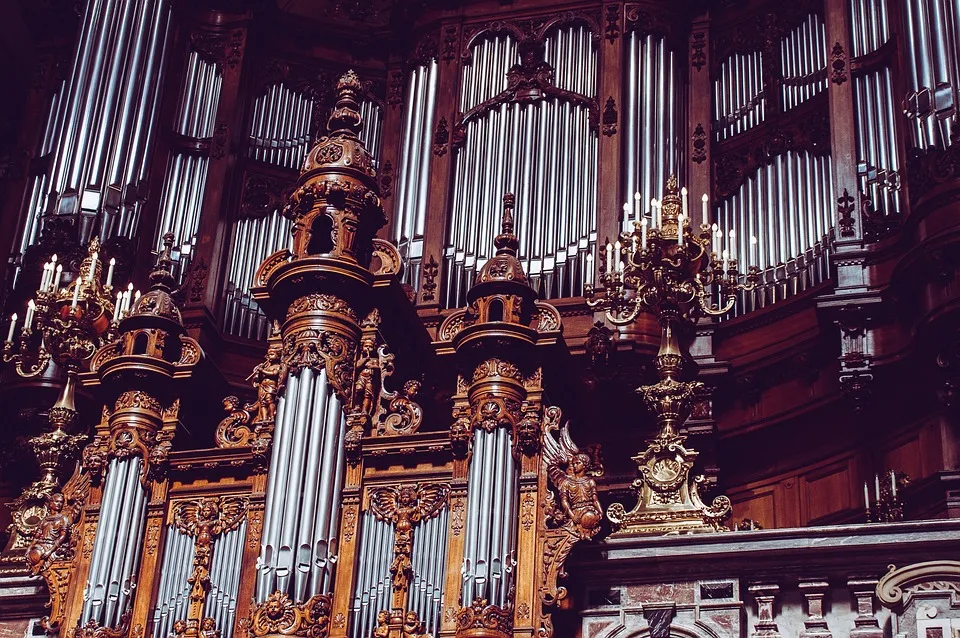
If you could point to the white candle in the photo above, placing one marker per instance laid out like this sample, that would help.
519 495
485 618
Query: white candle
680 221
725 256
56 282
113 262
136 296
893 484
609 264
116 307
616 249
636 207
706 214
93 267
683 201
753 251
876 485
13 327
658 209
643 234
76 294
31 310
866 496
731 243
717 241
626 214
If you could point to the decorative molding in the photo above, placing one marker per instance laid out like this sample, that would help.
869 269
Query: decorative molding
441 138
698 42
612 30
431 269
699 154
838 64
609 118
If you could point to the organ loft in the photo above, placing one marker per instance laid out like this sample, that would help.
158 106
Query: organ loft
480 319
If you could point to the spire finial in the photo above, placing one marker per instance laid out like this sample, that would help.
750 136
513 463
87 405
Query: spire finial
346 114
506 241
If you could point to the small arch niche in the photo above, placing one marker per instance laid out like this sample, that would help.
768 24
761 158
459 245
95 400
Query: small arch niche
495 309
321 235
140 343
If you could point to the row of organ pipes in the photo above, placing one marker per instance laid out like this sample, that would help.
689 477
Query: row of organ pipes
101 123
544 152
116 547
304 486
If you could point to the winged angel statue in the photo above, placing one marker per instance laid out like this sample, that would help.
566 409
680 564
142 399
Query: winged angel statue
53 537
571 472
204 519
405 505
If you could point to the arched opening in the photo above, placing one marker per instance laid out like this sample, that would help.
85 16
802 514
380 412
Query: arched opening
321 235
140 343
495 309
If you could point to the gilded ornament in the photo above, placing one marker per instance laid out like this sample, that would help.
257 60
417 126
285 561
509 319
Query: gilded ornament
279 615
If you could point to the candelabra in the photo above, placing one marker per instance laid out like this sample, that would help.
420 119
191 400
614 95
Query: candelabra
65 325
666 268
887 506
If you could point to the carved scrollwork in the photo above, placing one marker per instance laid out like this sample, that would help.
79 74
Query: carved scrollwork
387 258
316 349
496 368
483 616
278 614
318 302
548 317
897 586
91 629
269 265
454 323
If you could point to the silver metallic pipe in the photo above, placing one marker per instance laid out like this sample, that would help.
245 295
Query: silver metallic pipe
335 416
314 500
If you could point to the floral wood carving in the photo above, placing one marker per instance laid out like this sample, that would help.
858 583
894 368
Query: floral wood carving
838 64
612 30
609 118
93 630
449 46
430 271
699 154
395 88
483 616
845 208
403 506
698 42
578 514
441 138
386 180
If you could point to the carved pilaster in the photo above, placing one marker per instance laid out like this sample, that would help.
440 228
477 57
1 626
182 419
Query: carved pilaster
815 626
765 594
866 623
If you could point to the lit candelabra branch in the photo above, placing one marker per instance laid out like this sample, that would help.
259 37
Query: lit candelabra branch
667 267
67 323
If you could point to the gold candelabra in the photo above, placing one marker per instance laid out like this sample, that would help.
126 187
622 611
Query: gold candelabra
887 504
664 267
64 324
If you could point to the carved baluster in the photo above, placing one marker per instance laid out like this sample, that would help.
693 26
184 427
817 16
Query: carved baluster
765 594
867 625
815 626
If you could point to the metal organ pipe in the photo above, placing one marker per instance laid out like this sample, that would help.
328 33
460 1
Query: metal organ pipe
174 589
787 206
653 128
544 152
740 103
932 45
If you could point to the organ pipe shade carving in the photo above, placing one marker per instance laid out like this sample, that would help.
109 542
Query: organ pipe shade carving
490 545
412 178
803 59
787 205
373 588
545 152
173 595
182 197
932 33
102 121
280 127
303 493
653 119
875 109
116 547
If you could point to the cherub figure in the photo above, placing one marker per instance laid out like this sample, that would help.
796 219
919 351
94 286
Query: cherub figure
404 506
208 628
52 537
382 630
368 378
568 470
205 519
267 378
412 627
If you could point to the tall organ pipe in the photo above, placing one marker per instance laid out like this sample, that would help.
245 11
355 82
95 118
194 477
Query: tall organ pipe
653 128
544 152
300 528
739 104
174 589
803 59
116 551
932 46
221 601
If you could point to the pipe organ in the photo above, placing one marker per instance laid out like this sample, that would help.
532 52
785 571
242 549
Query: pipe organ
396 283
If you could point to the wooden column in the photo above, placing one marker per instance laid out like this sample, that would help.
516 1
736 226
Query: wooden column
610 55
229 31
391 147
251 548
699 115
441 161
458 518
346 561
148 576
